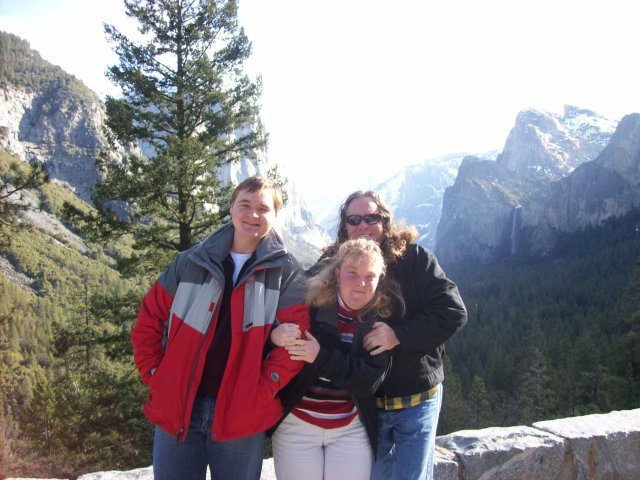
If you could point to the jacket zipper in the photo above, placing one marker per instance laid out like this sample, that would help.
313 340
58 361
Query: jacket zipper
194 367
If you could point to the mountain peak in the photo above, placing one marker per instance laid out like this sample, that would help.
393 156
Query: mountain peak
547 145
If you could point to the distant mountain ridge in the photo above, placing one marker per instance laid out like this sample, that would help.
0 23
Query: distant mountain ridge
415 193
556 174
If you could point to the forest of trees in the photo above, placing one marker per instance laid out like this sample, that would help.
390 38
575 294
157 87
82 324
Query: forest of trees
546 338
552 337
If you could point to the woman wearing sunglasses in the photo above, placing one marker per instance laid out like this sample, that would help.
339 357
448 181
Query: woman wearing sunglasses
409 401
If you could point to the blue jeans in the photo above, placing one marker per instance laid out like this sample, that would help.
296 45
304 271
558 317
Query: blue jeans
230 460
407 441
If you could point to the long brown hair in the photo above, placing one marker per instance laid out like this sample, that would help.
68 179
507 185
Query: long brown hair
323 287
395 237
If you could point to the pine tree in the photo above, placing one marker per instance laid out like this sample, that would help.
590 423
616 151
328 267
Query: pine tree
40 418
98 390
189 106
533 393
479 404
454 410
15 179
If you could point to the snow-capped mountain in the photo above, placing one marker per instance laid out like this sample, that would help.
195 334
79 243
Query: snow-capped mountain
548 145
555 174
415 194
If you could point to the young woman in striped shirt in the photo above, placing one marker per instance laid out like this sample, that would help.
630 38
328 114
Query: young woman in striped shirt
329 429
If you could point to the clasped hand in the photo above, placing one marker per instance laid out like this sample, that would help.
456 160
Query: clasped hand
288 335
380 339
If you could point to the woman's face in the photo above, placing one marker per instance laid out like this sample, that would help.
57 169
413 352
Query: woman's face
358 279
371 225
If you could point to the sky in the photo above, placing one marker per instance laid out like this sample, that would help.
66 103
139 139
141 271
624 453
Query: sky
356 90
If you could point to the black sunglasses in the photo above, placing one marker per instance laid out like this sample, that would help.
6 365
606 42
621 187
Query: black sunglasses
369 219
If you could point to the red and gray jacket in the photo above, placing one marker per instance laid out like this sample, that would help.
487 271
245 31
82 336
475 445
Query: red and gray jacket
177 321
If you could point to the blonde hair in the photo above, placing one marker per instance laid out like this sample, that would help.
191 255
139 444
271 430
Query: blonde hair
323 287
395 235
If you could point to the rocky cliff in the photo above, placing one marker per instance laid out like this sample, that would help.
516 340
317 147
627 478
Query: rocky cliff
61 128
544 182
415 194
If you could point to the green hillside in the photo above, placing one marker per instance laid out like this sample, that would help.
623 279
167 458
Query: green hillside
21 66
69 395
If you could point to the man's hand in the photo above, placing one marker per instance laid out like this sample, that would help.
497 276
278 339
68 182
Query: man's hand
380 339
285 334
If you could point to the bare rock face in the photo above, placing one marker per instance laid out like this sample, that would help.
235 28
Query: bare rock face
594 192
13 106
61 128
511 453
555 175
601 445
546 145
478 212
415 194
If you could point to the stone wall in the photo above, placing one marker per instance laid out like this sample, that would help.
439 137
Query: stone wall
592 447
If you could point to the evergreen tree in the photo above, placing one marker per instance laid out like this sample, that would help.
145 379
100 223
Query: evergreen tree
16 178
40 416
455 412
99 391
534 394
478 399
189 106
627 358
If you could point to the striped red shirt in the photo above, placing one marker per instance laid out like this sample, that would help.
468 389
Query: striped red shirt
326 405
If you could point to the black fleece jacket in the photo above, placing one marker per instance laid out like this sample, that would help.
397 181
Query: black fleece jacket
354 371
434 311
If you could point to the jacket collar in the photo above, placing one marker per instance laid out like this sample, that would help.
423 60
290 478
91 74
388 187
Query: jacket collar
211 252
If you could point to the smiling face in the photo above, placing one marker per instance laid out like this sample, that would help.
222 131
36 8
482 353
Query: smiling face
358 279
362 206
252 215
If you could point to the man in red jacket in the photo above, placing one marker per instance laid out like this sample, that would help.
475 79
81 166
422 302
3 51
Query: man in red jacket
199 343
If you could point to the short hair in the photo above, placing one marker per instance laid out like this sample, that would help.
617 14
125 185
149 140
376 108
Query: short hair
323 288
257 183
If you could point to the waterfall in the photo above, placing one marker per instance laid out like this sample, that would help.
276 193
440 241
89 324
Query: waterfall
515 227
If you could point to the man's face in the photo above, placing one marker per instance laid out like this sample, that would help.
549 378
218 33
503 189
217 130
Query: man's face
359 208
252 214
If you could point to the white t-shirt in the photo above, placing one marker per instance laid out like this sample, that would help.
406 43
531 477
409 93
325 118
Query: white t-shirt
239 259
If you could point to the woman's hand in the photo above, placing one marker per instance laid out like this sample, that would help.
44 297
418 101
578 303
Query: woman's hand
380 339
305 350
285 334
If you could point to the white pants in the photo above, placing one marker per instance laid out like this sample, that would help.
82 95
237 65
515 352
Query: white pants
307 452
